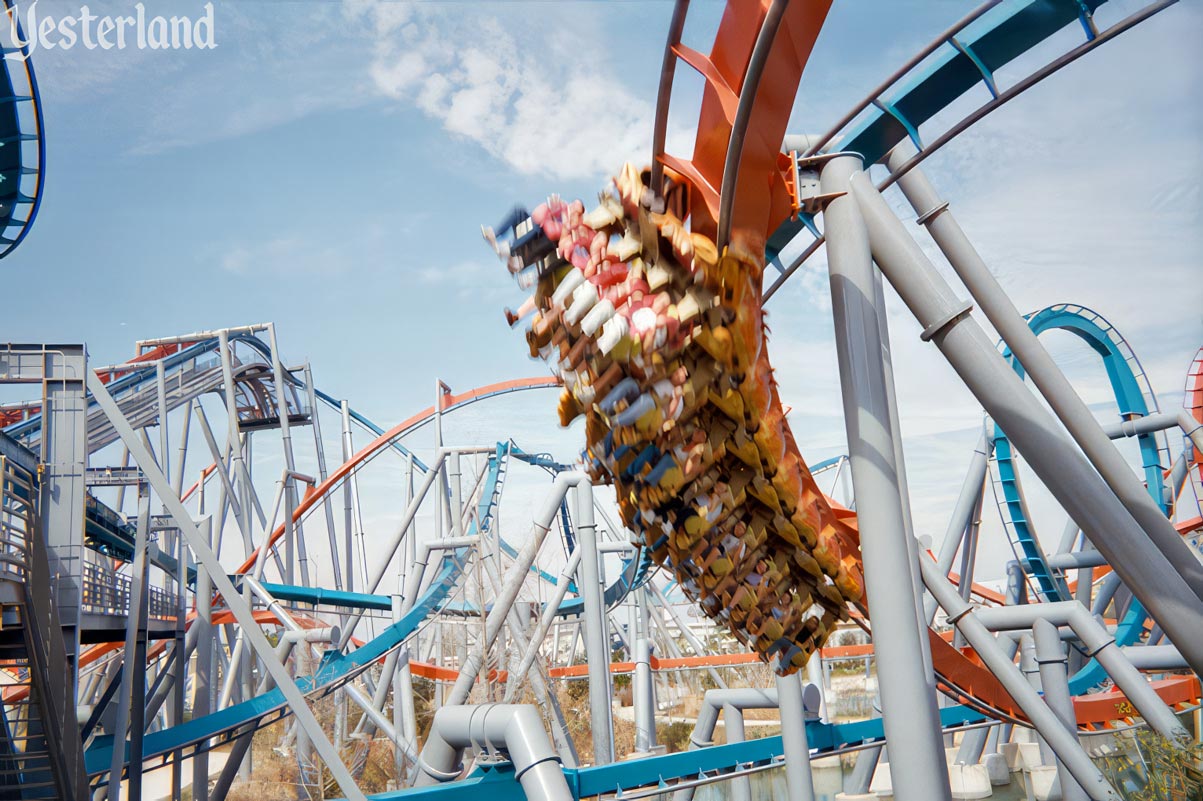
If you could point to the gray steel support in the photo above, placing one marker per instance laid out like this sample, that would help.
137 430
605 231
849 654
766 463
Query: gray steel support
1070 409
514 577
733 722
348 500
544 696
387 554
972 746
61 370
814 674
731 703
962 513
180 652
1192 428
861 777
1062 468
327 507
991 652
1098 643
234 441
545 622
404 714
912 725
286 446
1054 679
1154 657
597 644
1031 671
242 612
904 494
798 779
644 692
130 702
512 728
203 673
657 596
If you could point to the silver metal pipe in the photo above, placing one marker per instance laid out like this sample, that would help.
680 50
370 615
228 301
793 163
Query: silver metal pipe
861 777
991 652
733 722
391 549
1098 643
513 729
240 609
644 691
597 644
545 622
1065 402
1157 421
1160 587
1031 670
513 581
731 703
1054 680
912 725
798 779
1154 657
544 697
189 339
1076 559
1192 428
962 513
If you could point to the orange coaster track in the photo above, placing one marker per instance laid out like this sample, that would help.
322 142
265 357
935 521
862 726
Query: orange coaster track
658 334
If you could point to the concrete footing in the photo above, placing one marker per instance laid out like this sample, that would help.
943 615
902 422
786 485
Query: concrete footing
1042 783
969 781
997 769
1021 755
882 783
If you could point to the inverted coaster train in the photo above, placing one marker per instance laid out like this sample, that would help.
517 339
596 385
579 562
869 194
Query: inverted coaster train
651 309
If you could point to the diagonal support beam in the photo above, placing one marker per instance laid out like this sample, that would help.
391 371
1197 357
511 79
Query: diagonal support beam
222 584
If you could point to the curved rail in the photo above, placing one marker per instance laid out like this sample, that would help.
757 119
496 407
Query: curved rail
22 176
973 50
1135 398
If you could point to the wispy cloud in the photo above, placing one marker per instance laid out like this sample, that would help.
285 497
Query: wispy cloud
544 103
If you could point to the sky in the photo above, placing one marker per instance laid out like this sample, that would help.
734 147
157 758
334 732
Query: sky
327 167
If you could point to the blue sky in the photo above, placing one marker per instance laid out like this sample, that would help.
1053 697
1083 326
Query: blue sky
327 167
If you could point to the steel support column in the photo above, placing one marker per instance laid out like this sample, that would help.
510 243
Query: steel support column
1062 468
1069 407
911 721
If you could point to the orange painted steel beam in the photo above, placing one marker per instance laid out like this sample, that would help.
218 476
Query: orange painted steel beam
447 401
762 199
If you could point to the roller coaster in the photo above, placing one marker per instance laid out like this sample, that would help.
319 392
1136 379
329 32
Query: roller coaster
182 566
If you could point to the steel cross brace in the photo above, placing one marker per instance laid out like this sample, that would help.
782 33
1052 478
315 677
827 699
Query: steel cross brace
222 584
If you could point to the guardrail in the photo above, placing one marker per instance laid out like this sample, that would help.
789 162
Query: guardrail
108 593
17 518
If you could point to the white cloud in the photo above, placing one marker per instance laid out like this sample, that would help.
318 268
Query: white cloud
521 99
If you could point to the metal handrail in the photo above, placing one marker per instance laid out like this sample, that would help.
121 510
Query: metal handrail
743 115
667 72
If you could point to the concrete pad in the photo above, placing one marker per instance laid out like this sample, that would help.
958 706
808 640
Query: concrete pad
882 783
1021 755
855 797
969 781
1042 783
997 769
